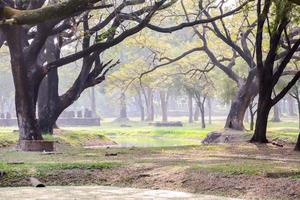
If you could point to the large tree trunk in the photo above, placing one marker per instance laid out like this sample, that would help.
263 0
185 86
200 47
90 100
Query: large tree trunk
48 103
26 86
263 109
297 147
48 100
164 105
260 135
240 104
190 105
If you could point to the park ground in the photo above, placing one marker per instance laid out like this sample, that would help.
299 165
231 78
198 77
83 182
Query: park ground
160 158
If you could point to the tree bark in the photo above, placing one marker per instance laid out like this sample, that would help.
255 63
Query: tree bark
240 104
164 105
49 105
26 85
263 109
297 147
190 105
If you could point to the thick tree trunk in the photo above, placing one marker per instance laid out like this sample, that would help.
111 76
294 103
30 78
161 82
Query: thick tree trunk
49 106
164 105
260 135
190 105
276 114
48 103
240 104
263 109
297 147
26 86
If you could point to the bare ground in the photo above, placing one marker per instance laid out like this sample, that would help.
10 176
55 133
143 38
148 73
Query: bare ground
235 170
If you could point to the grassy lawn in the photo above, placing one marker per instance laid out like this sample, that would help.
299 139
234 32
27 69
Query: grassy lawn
142 134
163 158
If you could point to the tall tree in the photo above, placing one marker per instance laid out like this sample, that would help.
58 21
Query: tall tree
27 42
269 68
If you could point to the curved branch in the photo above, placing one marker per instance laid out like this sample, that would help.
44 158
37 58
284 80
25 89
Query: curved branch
196 22
57 11
172 60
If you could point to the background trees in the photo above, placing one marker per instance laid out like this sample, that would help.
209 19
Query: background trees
27 57
91 36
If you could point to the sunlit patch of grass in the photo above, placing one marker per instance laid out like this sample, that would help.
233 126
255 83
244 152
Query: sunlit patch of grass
141 134
150 131
8 137
288 128
79 138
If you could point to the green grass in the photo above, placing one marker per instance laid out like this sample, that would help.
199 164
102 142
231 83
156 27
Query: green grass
7 137
80 137
251 168
141 134
38 169
191 131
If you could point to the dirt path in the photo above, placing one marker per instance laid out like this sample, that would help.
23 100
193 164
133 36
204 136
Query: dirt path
243 171
97 192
